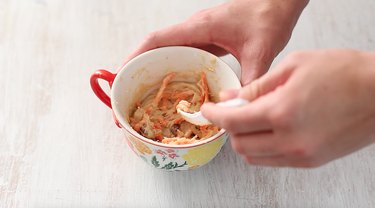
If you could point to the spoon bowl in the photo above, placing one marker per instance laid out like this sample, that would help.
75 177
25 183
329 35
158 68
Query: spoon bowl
198 119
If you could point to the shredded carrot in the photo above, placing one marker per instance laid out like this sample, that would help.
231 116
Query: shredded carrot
138 104
179 120
166 80
155 116
204 88
148 110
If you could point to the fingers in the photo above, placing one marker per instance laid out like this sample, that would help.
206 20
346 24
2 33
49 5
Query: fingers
261 144
261 148
274 161
283 160
218 51
256 60
246 119
179 34
196 34
267 83
228 94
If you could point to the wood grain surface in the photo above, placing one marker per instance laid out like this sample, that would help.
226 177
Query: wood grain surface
60 148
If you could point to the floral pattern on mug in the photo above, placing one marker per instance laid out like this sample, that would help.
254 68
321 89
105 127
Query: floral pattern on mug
167 159
168 165
169 152
176 159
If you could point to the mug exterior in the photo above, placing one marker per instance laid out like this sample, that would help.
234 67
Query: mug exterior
148 69
172 158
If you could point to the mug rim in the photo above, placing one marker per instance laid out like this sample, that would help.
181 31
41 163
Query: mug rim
130 130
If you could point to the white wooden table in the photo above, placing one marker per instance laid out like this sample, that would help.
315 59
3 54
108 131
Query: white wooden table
60 148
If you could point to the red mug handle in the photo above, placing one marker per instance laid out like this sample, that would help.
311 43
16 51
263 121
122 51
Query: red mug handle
104 75
109 77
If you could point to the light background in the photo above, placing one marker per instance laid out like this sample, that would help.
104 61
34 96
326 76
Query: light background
60 148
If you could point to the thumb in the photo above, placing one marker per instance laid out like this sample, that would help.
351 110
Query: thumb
267 83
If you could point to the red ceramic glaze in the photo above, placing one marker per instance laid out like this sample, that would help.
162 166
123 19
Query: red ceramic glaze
109 77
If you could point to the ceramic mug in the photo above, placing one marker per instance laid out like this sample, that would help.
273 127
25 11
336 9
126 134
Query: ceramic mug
149 69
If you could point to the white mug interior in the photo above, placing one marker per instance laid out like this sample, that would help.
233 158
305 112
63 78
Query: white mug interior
148 69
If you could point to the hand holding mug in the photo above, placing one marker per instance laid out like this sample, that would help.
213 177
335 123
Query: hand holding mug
253 31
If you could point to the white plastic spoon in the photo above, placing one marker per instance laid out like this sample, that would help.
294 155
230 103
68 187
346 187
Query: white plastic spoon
198 119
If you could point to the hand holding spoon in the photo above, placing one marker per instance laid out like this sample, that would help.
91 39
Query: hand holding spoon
198 119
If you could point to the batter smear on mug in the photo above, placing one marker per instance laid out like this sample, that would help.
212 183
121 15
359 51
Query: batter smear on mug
156 117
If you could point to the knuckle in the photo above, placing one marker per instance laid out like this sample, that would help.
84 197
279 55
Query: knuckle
206 17
251 91
300 151
152 37
203 16
202 21
281 117
304 157
304 151
227 123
